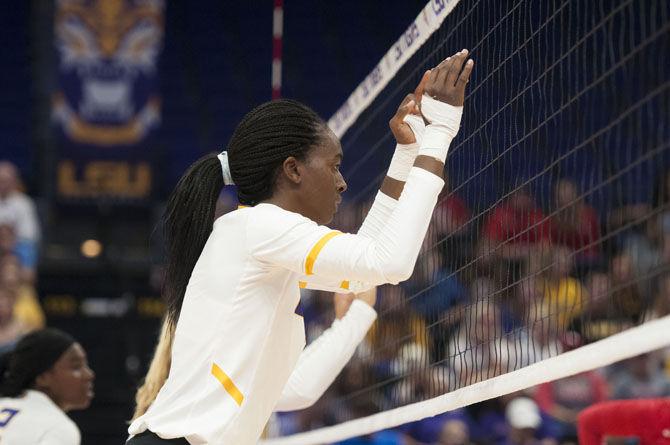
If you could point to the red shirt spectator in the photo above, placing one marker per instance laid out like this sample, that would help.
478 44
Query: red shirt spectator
451 214
564 399
646 420
517 221
576 224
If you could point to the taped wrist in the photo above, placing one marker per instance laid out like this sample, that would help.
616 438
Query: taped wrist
444 122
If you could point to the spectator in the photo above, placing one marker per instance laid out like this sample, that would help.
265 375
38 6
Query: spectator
454 432
434 290
598 324
11 328
9 247
661 305
396 327
625 220
539 340
478 351
451 215
645 248
18 210
27 308
627 305
626 422
524 423
563 296
515 226
563 399
641 378
599 287
575 224
450 427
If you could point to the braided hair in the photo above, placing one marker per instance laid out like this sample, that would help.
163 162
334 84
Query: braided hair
264 138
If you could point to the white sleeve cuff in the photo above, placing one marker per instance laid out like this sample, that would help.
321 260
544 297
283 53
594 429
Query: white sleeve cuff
362 314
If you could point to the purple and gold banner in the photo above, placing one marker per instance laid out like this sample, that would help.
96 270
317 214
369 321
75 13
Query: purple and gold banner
106 103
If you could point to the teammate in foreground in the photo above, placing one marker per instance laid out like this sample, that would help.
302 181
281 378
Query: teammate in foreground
44 377
232 285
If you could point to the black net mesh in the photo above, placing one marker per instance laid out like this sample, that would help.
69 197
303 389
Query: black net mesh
553 230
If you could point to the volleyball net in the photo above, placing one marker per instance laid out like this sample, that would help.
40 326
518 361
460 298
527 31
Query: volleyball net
549 250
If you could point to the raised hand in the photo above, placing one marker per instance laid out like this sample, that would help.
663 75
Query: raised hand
447 82
401 130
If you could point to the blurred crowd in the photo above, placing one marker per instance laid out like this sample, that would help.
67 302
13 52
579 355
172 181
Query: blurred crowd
497 291
20 311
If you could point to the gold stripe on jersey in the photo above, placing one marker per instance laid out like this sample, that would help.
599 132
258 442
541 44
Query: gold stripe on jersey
343 285
311 256
228 384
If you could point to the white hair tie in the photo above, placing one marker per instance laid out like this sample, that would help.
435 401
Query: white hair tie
225 168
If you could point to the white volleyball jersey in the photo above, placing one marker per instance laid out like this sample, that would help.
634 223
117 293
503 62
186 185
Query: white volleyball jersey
238 336
34 419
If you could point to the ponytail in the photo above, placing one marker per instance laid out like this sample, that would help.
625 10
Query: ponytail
158 370
189 218
188 221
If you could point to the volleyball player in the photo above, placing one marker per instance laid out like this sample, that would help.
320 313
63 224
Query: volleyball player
333 349
232 286
44 377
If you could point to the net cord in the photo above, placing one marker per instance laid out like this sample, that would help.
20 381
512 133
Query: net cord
424 25
632 342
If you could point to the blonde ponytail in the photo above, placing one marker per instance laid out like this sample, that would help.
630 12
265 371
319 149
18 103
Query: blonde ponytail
158 370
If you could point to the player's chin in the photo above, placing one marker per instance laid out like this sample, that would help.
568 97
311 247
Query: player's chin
327 216
86 398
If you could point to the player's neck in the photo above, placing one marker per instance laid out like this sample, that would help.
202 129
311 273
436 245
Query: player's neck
286 202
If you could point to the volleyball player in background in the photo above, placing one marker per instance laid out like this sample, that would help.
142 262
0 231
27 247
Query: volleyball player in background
232 285
44 377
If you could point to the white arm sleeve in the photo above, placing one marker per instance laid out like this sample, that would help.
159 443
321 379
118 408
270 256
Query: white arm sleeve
401 164
324 358
300 245
377 217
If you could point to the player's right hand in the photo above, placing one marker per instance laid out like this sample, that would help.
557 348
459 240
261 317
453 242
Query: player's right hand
447 82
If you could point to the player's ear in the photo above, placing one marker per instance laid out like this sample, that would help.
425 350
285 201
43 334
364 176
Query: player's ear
291 170
44 380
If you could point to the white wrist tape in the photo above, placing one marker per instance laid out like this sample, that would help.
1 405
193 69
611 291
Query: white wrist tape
417 125
402 161
405 155
444 121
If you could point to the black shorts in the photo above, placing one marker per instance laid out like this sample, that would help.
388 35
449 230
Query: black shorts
149 438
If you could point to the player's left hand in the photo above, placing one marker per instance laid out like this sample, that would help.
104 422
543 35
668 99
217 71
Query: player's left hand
410 105
342 302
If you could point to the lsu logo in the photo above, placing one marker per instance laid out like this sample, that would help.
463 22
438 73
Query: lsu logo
108 52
